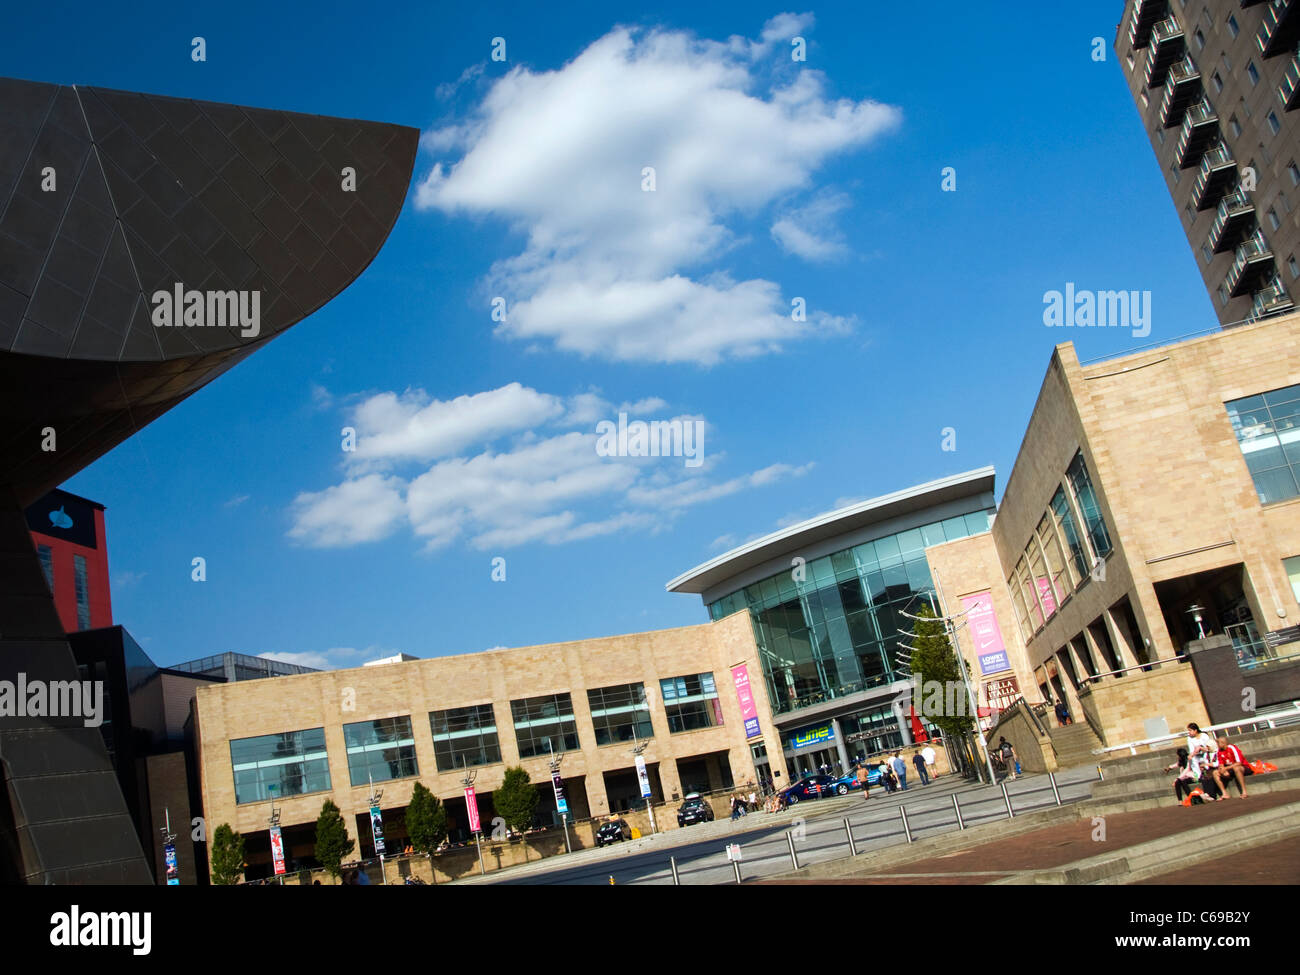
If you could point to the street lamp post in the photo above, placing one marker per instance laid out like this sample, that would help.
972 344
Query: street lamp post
561 804
169 848
638 747
377 839
468 782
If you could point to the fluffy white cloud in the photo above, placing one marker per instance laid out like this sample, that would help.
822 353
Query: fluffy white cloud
609 269
810 231
513 483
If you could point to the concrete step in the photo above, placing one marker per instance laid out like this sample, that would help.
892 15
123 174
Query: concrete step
1280 781
1160 856
1252 744
1283 758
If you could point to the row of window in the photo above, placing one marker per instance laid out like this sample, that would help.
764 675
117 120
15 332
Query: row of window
296 762
1059 556
81 582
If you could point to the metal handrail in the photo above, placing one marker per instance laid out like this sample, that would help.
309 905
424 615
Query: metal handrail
1126 670
1269 719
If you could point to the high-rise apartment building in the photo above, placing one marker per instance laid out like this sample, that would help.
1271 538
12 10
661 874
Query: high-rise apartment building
1217 84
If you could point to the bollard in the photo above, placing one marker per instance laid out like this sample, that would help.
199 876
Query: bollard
907 829
736 864
853 847
672 862
1011 813
956 807
1051 776
789 838
1101 776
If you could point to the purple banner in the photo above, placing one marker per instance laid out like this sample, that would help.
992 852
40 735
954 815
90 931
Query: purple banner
984 630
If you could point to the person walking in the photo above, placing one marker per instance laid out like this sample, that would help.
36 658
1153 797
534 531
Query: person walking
919 761
929 756
887 776
1007 752
864 780
900 769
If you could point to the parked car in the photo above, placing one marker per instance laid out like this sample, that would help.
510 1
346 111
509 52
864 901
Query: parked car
845 783
694 809
809 787
614 831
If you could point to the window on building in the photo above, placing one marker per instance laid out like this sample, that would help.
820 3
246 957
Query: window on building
294 763
1273 221
1064 518
1274 125
1293 267
83 591
1146 100
691 702
1235 127
380 750
1174 174
1293 171
1253 72
1233 29
1292 568
545 725
1207 253
1267 427
1160 136
1200 40
47 564
1217 82
1223 295
465 737
1085 499
620 713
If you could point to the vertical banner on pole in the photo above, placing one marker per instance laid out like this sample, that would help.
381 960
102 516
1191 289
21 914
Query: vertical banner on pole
471 805
173 868
277 850
745 694
557 783
377 829
643 777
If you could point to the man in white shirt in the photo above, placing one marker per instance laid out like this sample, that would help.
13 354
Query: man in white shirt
928 754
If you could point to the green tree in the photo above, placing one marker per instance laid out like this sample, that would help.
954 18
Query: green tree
516 799
226 858
939 687
426 820
332 841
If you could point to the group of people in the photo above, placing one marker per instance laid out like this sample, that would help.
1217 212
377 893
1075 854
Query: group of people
1206 771
742 804
893 770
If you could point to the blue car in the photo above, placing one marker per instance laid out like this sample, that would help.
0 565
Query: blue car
809 787
845 783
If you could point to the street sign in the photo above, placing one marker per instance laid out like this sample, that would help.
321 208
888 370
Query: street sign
173 868
471 805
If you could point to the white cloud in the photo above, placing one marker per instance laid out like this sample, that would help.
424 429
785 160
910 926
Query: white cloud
332 659
472 471
612 271
810 231
236 501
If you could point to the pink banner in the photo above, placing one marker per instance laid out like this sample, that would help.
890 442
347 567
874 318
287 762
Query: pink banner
986 633
1046 597
277 849
745 694
471 804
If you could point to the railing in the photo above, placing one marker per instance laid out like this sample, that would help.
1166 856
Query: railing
1271 719
1272 20
1202 113
1233 205
1149 665
1286 91
1185 70
1252 248
1167 30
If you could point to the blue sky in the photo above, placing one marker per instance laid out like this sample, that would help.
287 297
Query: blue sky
775 180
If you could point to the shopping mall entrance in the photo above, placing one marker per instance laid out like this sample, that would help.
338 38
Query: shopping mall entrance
1209 604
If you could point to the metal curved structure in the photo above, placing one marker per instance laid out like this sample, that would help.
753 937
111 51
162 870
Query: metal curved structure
109 200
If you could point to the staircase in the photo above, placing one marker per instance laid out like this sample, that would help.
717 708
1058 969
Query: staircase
1073 745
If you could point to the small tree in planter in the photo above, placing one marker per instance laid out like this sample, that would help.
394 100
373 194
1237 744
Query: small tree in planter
426 820
226 856
332 841
516 799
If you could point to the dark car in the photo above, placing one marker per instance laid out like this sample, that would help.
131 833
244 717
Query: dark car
614 831
844 783
810 787
694 810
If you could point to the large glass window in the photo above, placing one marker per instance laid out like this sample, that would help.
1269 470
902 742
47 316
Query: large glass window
293 763
1065 525
1085 496
691 702
1267 428
47 564
545 725
380 750
463 737
83 592
620 713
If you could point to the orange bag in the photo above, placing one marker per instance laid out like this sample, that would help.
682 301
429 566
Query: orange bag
1259 768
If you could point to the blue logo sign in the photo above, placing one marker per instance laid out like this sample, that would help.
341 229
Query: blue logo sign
991 663
60 518
813 736
752 729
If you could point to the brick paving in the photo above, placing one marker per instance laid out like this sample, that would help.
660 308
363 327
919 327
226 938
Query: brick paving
1273 863
1056 846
